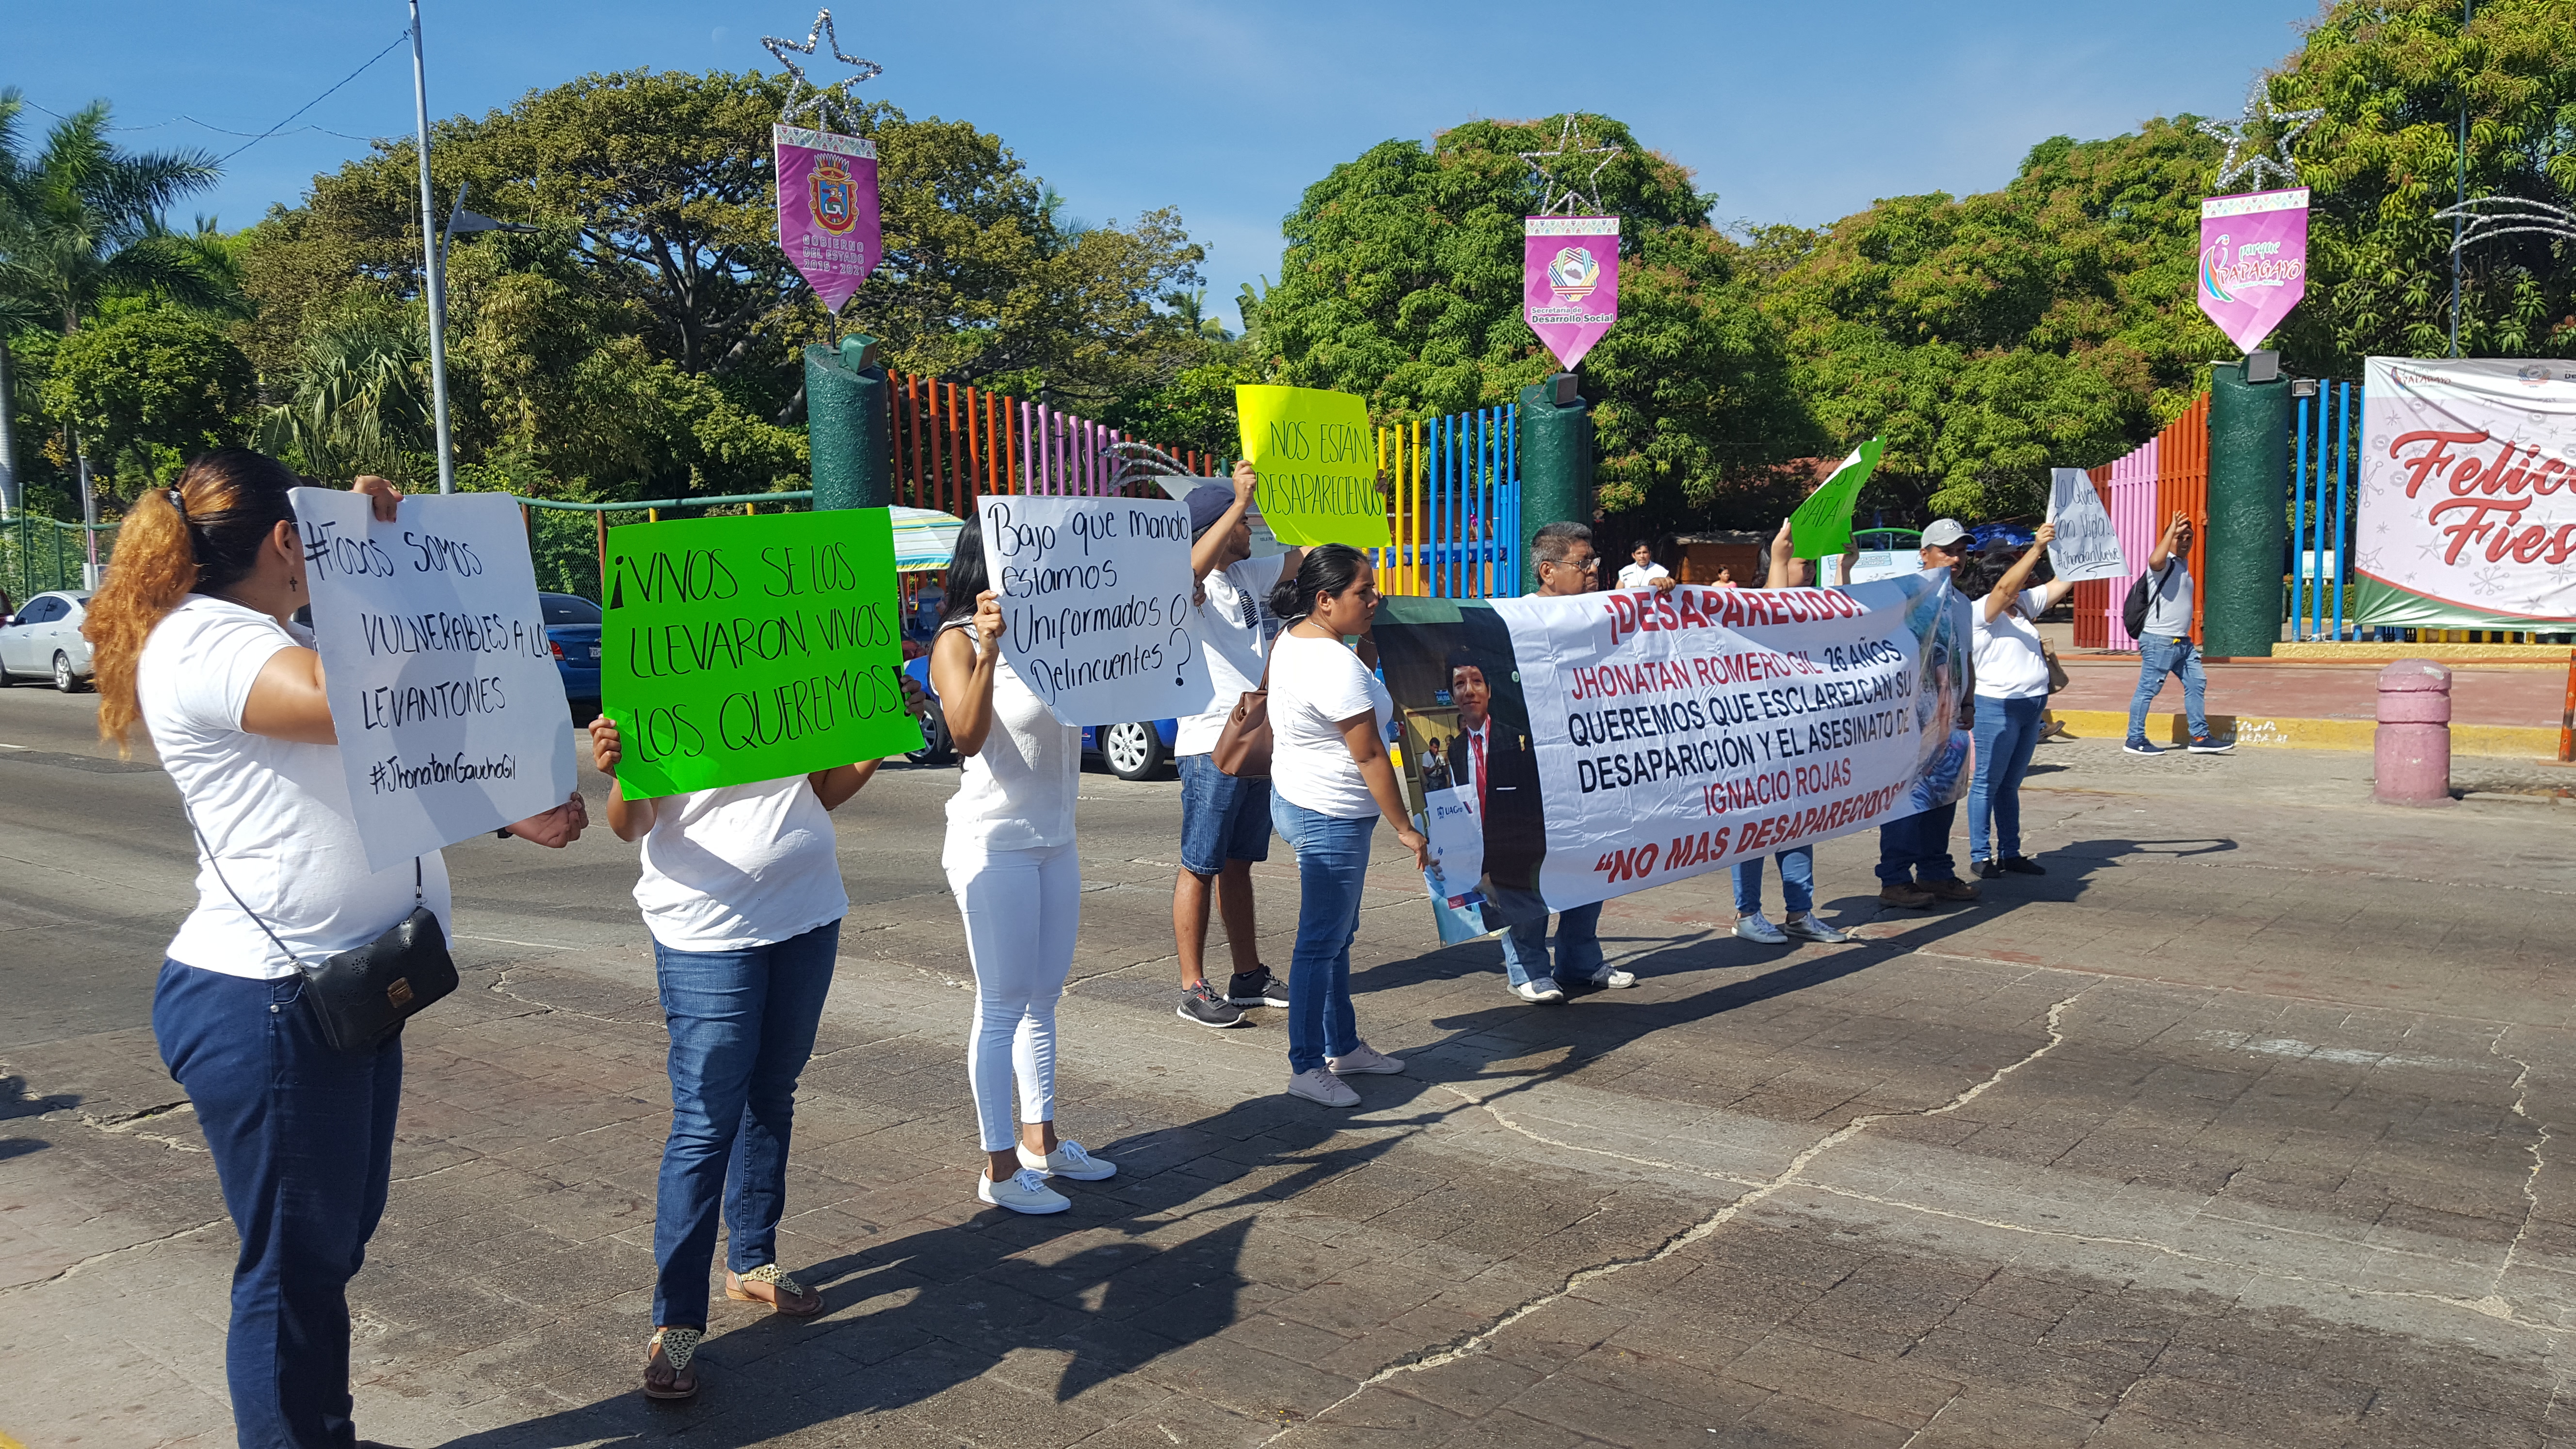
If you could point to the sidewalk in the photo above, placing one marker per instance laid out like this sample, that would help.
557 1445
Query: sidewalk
2499 709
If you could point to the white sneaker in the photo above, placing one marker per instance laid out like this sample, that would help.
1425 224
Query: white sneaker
1318 1085
1068 1161
1026 1192
1612 978
1756 927
1363 1060
1808 928
1539 988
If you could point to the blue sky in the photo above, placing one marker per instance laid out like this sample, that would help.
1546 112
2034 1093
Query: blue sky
1790 112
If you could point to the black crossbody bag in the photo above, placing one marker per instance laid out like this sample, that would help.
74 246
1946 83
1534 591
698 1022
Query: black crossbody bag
362 996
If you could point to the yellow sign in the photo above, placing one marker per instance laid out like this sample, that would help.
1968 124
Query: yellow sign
1318 465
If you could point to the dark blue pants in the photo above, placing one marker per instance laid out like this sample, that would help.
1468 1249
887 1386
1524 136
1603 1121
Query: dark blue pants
303 1140
1918 842
742 1026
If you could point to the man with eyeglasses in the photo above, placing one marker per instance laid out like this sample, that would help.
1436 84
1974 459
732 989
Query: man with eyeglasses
1915 869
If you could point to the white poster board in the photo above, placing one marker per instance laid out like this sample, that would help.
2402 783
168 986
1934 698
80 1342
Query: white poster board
2087 546
1457 839
1871 565
443 687
1096 598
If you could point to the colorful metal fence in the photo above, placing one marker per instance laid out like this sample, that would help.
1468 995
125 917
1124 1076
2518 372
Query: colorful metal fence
2169 474
1455 506
952 441
2325 448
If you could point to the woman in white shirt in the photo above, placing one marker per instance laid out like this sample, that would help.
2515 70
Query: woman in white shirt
742 894
194 642
1011 864
1330 783
2012 694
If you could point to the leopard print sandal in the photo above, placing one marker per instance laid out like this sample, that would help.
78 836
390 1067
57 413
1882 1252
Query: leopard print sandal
783 1286
677 1346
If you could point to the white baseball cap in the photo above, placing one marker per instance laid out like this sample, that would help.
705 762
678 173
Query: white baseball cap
1944 533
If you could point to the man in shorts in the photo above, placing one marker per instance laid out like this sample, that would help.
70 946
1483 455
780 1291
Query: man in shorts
1225 821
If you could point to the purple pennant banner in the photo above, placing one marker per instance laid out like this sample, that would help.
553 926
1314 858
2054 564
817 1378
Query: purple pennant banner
1570 281
2253 261
827 209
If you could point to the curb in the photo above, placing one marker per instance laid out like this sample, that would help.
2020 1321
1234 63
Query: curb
2264 732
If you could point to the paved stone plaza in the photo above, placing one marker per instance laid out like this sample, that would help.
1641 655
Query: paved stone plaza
2238 1128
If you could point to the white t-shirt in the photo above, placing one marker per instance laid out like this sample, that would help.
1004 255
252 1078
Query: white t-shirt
275 812
1633 577
1017 792
1313 684
740 866
1237 625
2009 664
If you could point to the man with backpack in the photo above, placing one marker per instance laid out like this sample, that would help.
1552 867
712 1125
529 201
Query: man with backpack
2158 615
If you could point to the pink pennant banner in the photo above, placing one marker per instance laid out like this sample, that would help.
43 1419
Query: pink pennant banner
2253 261
1570 281
827 209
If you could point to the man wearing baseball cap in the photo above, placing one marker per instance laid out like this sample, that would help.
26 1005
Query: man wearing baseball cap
1225 821
1915 869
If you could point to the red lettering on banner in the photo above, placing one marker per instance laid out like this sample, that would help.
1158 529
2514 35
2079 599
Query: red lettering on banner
2424 465
2475 526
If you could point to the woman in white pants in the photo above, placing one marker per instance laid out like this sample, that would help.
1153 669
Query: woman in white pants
1010 862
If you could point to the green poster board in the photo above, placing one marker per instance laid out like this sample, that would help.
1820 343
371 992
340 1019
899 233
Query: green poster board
752 648
1821 528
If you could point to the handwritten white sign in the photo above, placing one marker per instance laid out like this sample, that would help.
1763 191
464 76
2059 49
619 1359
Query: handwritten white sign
1096 598
2087 547
443 687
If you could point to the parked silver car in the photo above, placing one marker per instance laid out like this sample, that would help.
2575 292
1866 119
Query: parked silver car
43 640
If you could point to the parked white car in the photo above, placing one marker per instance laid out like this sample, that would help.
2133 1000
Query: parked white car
44 640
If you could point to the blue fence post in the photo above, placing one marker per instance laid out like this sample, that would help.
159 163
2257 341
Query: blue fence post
2300 477
2343 470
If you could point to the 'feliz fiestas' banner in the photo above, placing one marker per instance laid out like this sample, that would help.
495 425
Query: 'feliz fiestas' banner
2467 514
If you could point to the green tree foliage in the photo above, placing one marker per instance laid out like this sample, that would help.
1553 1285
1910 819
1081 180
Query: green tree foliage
147 387
2391 76
1402 283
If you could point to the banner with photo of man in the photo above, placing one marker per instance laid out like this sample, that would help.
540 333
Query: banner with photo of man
1563 751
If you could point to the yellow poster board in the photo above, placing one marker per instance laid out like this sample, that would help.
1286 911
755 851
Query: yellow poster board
1318 464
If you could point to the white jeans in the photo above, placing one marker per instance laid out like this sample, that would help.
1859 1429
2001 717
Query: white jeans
1021 909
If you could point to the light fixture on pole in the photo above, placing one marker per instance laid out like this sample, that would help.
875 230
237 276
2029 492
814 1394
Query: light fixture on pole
430 265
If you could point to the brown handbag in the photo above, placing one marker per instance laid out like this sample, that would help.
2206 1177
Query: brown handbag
1243 748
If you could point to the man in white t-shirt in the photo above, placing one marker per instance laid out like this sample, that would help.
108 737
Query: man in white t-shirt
1225 821
1642 572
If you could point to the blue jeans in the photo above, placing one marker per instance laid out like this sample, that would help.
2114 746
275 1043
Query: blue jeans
1797 882
303 1142
1918 842
1332 865
1578 944
1223 817
742 1024
2158 656
2007 731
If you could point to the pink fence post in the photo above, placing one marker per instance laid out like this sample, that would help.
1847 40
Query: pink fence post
2133 518
2411 749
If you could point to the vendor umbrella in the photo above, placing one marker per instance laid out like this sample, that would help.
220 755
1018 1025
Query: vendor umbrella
924 539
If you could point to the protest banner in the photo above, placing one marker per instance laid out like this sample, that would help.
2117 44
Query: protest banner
2086 546
752 648
1821 526
1096 597
1569 281
442 684
1318 465
827 209
2253 261
2467 510
1615 741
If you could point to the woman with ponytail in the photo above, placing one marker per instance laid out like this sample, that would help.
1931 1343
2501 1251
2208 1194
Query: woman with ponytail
192 641
1330 783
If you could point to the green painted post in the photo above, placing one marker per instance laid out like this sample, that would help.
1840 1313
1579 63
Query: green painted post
845 424
1555 448
2249 464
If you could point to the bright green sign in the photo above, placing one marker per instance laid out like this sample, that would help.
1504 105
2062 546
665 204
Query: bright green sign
1821 528
1318 465
752 648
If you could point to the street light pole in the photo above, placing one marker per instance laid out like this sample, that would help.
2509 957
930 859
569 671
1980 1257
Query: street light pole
430 261
2468 9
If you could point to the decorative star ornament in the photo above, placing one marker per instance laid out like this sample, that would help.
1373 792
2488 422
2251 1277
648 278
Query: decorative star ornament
1569 143
825 108
2260 162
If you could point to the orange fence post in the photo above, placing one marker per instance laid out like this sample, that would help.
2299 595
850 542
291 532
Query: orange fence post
2567 717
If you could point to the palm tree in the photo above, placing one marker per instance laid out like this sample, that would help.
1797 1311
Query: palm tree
80 220
361 401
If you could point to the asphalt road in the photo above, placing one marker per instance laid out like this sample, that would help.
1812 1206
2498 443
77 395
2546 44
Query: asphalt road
2240 1127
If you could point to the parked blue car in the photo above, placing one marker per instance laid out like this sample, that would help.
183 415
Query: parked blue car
572 627
1132 751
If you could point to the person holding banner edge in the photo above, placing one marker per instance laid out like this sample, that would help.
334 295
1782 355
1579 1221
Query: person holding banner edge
1798 862
1331 782
1225 820
195 642
2012 695
1010 861
1915 869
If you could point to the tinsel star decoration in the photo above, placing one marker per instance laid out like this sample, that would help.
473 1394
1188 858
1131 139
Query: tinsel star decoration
2246 156
1569 144
824 108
